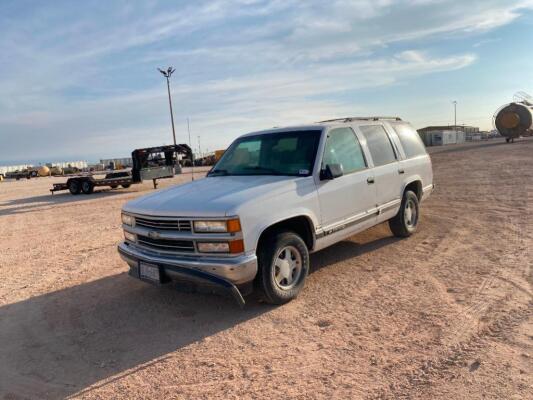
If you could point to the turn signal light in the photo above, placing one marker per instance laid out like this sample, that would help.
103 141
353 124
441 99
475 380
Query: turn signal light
234 225
236 246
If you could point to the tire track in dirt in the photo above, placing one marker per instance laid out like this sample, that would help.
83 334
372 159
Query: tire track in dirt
467 336
456 355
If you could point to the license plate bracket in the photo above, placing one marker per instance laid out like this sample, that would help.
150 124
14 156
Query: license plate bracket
150 272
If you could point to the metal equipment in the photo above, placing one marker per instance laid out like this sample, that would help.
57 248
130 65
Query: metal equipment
515 119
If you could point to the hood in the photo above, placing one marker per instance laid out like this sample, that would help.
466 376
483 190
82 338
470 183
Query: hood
212 196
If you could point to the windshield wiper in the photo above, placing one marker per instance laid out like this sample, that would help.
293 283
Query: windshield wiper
218 172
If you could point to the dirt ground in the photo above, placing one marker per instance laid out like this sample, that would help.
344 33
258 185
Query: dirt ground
447 313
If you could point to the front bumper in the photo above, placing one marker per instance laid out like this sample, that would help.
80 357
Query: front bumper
223 272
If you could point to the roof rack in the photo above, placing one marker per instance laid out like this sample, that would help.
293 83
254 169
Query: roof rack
350 119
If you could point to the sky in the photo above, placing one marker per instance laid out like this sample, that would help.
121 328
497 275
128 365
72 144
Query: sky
78 80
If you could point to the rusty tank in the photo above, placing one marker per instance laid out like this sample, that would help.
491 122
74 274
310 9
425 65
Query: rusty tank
515 119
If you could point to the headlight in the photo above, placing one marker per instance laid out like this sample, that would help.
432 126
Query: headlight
232 225
128 219
214 247
130 236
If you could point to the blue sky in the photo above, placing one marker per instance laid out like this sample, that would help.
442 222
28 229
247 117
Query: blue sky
79 79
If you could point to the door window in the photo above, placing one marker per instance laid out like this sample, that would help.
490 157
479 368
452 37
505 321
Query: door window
343 148
379 144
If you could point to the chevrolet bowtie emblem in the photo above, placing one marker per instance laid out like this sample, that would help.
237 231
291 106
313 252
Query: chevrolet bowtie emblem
154 235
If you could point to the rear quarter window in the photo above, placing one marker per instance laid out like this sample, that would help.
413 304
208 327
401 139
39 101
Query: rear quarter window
410 140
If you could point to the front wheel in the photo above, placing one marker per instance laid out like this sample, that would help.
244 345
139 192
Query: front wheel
404 223
74 187
284 265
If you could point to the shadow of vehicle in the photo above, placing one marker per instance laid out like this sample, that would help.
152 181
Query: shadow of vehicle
26 204
348 249
57 344
60 343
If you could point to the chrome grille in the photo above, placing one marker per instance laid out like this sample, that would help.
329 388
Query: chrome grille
166 244
167 224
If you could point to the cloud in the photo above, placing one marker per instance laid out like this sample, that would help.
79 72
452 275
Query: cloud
80 73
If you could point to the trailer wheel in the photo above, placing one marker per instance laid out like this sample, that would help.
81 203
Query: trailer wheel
126 185
87 187
74 186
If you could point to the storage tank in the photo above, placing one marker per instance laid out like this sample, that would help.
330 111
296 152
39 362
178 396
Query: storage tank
44 171
515 119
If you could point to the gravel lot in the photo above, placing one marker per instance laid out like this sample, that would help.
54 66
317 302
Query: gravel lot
447 313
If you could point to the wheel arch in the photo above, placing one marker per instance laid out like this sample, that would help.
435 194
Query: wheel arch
300 224
415 185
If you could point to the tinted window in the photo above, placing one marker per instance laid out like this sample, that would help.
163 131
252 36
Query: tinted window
379 144
278 153
343 148
411 142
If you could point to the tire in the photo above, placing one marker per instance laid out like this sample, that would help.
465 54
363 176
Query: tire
113 186
405 223
127 185
282 283
74 187
87 187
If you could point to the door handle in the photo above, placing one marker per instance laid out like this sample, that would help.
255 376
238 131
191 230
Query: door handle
401 171
370 180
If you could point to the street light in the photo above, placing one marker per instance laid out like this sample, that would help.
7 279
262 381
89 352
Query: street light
167 74
199 147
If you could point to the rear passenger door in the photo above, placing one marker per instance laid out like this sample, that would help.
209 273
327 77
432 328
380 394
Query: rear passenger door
348 200
385 170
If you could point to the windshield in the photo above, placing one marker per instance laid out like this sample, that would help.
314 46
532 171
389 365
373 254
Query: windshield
279 153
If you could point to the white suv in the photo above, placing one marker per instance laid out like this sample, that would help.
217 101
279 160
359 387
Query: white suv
274 197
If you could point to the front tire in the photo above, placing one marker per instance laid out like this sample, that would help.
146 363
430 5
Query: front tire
405 223
284 266
74 187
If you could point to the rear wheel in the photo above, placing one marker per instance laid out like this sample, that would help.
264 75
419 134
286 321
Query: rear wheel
74 187
404 223
126 185
87 187
284 265
113 186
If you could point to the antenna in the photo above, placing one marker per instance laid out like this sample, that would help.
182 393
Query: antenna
192 152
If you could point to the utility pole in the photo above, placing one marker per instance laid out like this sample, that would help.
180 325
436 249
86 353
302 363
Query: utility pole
167 74
192 151
199 147
454 115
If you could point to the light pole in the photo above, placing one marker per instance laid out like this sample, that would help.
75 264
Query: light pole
192 151
167 74
454 115
199 147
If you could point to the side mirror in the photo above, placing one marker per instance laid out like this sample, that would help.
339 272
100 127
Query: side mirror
331 171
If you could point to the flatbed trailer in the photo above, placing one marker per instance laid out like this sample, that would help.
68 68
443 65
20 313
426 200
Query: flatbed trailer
86 183
151 163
